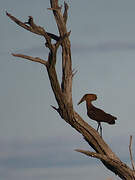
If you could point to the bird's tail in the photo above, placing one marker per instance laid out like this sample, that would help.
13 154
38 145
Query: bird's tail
112 120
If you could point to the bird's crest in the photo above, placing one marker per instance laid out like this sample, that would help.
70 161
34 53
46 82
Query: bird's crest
88 97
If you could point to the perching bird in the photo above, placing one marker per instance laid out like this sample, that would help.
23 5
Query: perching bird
95 113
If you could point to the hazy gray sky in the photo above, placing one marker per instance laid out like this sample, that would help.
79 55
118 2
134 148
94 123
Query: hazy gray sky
33 138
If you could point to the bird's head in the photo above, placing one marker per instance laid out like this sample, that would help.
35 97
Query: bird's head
88 97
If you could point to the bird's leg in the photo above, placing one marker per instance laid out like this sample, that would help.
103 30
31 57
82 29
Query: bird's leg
100 130
98 126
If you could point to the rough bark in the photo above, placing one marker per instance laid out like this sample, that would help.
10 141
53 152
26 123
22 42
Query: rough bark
63 91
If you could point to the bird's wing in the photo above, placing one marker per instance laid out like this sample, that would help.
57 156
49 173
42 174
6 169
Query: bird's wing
100 116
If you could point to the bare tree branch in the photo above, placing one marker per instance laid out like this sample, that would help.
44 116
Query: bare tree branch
35 59
65 14
58 17
101 157
110 161
66 83
93 154
38 30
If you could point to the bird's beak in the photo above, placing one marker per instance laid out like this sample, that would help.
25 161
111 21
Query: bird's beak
80 101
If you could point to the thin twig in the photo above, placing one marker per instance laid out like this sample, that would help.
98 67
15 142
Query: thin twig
35 59
74 71
130 151
92 154
56 109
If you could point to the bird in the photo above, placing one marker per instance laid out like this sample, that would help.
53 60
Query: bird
95 113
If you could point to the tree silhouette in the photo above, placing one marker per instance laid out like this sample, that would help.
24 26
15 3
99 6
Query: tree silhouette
63 90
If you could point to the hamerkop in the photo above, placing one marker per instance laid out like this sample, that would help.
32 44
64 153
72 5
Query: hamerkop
96 113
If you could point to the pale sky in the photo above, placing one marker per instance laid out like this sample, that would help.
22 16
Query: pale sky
35 142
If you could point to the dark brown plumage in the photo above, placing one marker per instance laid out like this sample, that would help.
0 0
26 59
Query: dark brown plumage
95 113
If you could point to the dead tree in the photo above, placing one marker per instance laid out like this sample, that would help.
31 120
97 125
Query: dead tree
63 90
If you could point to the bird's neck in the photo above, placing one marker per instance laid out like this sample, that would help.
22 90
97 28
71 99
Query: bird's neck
89 104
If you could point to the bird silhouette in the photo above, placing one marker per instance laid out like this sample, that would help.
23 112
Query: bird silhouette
96 113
